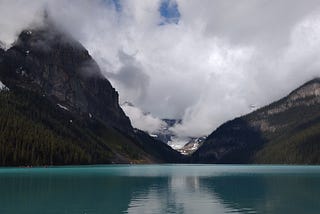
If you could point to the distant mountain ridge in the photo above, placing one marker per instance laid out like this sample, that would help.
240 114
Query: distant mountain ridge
161 129
286 131
166 135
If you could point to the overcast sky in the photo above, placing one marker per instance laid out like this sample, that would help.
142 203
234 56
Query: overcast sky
205 61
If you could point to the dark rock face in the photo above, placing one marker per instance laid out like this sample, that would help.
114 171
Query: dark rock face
233 142
2 52
60 68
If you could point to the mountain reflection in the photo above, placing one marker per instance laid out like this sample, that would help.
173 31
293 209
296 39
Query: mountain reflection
267 193
236 194
69 194
177 195
166 189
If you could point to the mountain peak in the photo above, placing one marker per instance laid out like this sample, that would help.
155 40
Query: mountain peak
309 89
70 111
51 62
46 35
310 82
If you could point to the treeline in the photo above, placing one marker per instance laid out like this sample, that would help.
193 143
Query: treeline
299 146
298 142
33 131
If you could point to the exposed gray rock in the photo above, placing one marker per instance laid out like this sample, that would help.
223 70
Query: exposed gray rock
60 68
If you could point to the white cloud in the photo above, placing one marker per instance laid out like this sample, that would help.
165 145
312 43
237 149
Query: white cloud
141 120
218 60
16 15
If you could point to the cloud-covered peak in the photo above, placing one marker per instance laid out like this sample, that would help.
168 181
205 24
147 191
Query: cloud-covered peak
208 62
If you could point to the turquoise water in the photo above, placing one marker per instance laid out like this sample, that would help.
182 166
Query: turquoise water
160 189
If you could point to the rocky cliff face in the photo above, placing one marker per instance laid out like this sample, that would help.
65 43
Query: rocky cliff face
281 132
53 64
307 95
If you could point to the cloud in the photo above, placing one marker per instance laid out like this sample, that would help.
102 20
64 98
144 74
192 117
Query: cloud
249 21
130 79
141 120
17 15
207 65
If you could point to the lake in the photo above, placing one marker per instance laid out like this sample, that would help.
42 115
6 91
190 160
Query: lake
160 189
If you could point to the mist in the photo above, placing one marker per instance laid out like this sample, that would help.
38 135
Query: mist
205 62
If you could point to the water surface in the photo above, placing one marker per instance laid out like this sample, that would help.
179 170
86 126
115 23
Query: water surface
160 189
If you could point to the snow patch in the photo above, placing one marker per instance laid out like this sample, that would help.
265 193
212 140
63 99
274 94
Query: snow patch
3 87
63 107
177 143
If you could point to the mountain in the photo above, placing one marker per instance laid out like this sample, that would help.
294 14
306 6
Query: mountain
165 134
54 65
57 108
192 145
185 145
284 132
161 129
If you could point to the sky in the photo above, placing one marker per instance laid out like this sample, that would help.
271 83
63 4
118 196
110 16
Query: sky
202 61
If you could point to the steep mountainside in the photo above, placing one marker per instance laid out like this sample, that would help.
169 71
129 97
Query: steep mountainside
59 109
58 67
287 131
